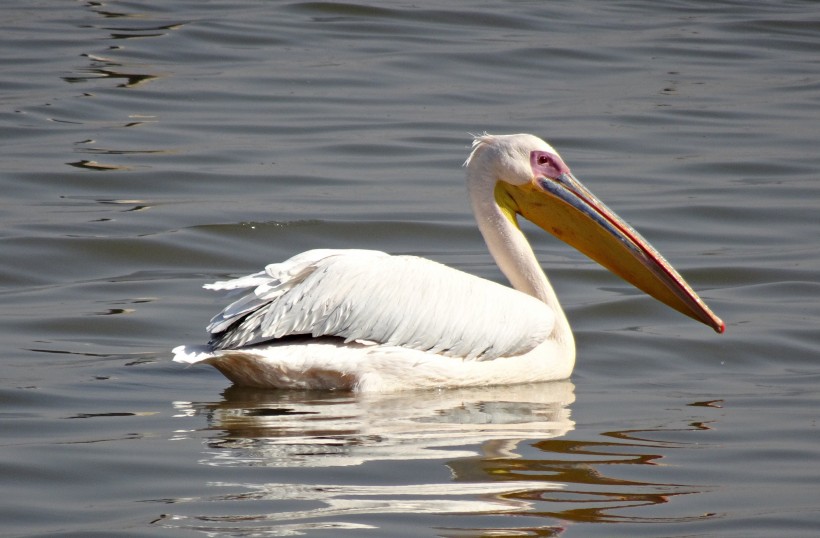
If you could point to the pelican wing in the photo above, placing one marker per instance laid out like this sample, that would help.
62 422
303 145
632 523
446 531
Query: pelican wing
372 297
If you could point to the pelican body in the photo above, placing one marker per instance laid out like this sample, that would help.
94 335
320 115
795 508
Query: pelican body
364 320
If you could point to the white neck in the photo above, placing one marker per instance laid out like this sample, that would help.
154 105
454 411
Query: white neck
512 252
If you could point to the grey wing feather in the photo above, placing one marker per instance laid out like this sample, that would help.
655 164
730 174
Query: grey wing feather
372 297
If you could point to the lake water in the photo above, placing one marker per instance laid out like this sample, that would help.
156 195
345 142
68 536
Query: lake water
151 147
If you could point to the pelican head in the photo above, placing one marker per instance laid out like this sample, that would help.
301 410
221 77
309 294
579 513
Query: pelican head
523 175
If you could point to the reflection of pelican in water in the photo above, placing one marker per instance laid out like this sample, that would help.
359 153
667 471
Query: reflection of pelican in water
367 321
328 430
503 451
284 429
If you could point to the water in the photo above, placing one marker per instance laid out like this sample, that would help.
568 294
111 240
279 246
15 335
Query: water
149 148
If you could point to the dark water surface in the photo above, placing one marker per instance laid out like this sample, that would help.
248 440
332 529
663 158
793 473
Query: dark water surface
150 147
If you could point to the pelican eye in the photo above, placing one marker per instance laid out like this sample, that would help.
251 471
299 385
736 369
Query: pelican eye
548 164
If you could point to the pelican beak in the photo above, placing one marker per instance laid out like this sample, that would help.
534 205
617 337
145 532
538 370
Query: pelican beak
562 206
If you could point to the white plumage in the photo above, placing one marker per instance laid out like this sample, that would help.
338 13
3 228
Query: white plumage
367 321
371 297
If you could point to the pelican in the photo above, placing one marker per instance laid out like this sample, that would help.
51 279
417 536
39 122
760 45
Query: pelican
367 321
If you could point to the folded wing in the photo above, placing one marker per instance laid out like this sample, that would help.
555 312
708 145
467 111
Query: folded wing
374 298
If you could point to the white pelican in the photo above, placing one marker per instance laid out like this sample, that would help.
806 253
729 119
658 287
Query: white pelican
366 321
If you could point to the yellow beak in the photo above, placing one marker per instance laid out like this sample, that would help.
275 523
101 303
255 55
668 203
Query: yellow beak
566 209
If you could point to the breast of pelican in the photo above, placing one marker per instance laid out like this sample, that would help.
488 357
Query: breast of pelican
367 321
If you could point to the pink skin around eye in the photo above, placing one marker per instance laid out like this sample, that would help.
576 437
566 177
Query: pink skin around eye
547 164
